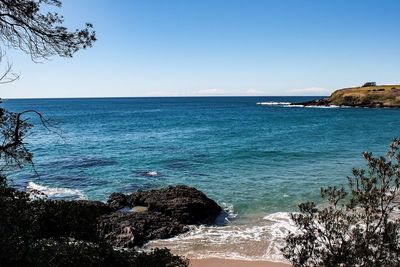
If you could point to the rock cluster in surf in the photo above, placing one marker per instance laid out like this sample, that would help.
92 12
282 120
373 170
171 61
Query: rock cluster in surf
128 220
162 213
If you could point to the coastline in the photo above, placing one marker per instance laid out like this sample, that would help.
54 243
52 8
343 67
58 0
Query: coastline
217 262
257 240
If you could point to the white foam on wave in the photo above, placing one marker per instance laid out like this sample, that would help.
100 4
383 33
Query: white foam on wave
281 224
272 103
330 106
305 106
40 191
229 210
293 106
290 105
152 173
261 239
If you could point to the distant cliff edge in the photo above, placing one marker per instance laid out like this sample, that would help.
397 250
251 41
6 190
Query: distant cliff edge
368 95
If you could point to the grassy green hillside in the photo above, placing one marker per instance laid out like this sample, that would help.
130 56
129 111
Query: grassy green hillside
373 96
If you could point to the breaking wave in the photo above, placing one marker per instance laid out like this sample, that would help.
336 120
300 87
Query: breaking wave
272 103
41 191
261 239
330 106
290 105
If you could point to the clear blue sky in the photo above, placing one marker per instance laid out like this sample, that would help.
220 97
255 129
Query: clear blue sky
219 47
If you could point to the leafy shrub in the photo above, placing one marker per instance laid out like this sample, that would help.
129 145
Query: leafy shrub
77 219
358 227
159 258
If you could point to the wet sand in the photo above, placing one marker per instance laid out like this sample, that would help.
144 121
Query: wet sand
214 262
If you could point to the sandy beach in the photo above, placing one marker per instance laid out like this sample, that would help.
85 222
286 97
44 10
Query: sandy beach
214 262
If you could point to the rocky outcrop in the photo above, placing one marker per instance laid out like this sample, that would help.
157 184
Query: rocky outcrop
135 228
126 220
366 96
117 201
318 102
186 204
163 213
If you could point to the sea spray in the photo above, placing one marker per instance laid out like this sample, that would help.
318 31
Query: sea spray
40 191
291 105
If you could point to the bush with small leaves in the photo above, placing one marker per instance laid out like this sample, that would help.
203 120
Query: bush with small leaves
357 227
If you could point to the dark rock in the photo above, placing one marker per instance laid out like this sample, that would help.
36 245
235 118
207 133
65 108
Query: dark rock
318 102
169 211
133 229
186 204
117 201
96 206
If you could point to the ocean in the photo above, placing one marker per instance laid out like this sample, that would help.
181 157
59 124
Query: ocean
256 156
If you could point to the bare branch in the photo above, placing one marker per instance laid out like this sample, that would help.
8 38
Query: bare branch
8 75
14 127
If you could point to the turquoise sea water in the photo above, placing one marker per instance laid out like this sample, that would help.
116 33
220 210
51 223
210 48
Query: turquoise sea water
258 159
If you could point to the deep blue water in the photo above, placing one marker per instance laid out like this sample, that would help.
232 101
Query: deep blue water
260 159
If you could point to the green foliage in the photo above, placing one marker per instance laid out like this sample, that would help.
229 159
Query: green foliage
358 227
77 219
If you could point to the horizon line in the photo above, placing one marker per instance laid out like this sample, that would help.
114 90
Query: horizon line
115 97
